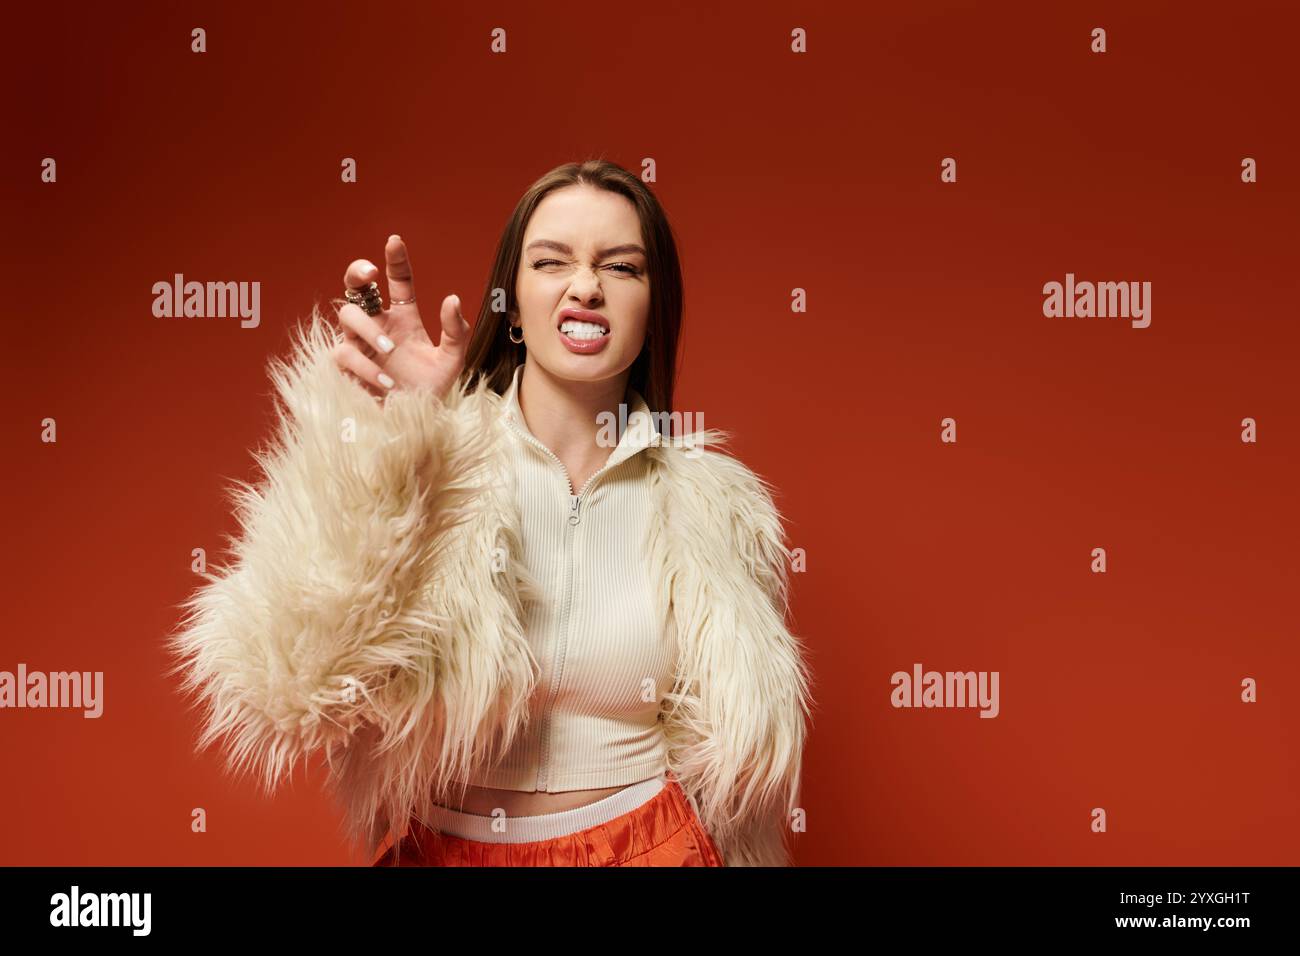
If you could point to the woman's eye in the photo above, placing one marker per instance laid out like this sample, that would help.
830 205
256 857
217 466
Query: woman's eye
625 267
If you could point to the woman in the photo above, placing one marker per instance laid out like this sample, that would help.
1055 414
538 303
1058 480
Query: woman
523 622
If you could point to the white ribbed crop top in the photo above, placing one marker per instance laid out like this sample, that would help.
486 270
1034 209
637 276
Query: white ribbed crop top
595 634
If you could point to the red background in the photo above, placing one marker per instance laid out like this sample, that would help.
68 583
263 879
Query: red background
818 171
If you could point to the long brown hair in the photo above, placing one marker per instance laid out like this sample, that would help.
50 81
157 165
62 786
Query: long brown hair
491 354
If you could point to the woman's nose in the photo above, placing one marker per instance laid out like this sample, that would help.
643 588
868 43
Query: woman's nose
587 286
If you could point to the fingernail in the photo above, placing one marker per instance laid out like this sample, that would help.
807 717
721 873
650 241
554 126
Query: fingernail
385 381
385 344
394 236
367 265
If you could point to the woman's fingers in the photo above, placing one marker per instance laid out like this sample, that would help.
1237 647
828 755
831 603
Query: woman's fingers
369 340
397 266
359 274
358 325
349 358
455 330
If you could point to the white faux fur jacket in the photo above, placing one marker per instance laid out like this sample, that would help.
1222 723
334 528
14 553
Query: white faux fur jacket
372 610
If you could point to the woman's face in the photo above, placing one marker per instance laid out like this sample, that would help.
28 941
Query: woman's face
582 252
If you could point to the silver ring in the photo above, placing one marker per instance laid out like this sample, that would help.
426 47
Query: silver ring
367 298
401 301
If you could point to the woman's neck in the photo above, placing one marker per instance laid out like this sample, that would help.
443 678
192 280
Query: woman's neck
564 416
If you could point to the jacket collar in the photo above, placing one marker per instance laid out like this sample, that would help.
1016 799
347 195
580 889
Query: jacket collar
637 430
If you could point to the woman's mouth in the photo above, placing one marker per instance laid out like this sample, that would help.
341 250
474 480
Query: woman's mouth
584 336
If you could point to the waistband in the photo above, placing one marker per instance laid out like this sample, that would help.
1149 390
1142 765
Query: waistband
546 826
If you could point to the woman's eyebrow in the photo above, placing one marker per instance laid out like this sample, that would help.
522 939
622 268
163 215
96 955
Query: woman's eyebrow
568 250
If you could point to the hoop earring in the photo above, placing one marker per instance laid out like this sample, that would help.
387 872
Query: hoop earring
511 333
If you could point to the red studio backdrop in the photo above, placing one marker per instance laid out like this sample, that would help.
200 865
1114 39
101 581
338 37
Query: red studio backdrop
920 171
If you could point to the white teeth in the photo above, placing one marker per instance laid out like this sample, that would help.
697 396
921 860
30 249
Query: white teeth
575 329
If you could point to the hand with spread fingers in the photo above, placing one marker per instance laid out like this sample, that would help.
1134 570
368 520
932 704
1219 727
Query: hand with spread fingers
392 349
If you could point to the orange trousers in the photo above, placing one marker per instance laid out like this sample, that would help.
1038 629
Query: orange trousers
663 831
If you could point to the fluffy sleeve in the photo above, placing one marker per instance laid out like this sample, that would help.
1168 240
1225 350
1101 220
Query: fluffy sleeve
317 624
736 726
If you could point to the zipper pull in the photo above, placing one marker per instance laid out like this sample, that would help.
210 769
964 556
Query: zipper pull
573 508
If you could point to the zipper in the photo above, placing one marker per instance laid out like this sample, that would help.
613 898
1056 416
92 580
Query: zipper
562 639
523 433
561 645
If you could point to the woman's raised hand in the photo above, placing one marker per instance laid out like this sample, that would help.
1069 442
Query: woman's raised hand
393 349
